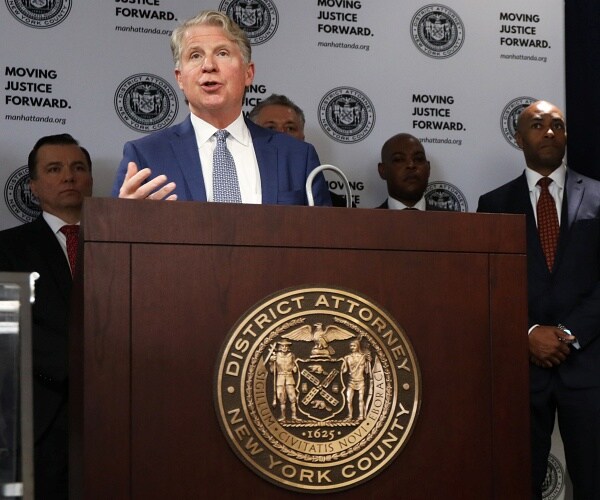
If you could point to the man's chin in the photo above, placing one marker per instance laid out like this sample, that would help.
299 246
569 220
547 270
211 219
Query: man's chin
551 161
414 194
73 201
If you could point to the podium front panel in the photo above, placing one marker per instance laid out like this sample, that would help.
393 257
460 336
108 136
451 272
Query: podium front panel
156 314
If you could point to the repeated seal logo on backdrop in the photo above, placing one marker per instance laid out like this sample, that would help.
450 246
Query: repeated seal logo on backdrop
40 14
19 198
554 482
445 196
437 31
510 118
146 102
325 384
258 18
346 114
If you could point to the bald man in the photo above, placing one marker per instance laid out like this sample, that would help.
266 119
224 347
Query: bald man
563 296
405 169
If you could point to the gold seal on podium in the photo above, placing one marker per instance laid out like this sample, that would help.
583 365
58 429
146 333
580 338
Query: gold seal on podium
317 389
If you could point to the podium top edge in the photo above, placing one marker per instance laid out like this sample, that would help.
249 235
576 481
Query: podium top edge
200 223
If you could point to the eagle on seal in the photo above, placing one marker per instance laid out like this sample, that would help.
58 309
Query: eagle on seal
321 337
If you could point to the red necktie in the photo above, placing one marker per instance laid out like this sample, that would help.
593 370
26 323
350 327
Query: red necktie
547 220
71 231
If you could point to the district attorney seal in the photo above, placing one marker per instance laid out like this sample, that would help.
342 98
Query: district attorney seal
317 389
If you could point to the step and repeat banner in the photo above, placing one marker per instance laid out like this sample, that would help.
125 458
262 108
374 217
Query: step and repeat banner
454 74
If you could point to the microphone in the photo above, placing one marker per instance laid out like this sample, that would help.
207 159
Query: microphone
318 170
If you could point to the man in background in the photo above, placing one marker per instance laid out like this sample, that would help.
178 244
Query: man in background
562 210
277 112
215 154
60 173
405 169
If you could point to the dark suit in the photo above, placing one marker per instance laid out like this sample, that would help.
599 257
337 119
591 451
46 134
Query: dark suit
569 295
34 247
284 164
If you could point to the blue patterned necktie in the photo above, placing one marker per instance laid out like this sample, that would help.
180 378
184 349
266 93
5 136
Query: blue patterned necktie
226 187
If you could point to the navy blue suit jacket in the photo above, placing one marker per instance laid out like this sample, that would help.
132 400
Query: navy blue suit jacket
570 293
284 164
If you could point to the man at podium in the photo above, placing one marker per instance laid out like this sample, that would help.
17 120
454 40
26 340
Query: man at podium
215 154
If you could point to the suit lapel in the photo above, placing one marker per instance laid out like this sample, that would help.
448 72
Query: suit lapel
520 198
522 205
185 148
572 198
266 156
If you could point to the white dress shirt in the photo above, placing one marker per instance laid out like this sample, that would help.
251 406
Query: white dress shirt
394 204
556 188
239 143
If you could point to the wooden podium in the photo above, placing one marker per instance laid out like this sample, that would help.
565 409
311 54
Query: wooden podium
162 283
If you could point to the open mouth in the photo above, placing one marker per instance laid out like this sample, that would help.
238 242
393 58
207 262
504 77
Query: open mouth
210 85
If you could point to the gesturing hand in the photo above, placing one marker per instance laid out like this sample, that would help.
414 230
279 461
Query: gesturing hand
133 186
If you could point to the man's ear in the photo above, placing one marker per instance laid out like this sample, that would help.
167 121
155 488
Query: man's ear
178 77
519 139
32 187
381 170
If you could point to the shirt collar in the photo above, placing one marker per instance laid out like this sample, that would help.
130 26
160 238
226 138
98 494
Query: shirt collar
54 222
237 130
394 204
558 177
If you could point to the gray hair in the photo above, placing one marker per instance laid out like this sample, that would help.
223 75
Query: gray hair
279 100
211 18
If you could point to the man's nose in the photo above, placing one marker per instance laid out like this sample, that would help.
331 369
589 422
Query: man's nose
69 174
208 64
